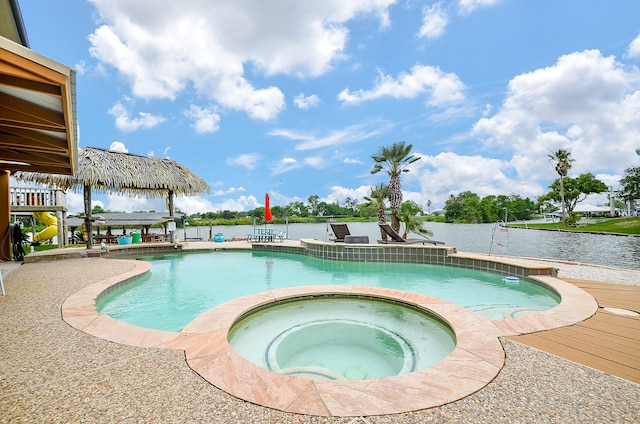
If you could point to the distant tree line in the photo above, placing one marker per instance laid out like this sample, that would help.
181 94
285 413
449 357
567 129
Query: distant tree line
468 207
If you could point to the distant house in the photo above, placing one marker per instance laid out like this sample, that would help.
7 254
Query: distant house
587 208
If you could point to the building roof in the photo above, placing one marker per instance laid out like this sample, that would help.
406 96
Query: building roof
118 219
586 207
11 24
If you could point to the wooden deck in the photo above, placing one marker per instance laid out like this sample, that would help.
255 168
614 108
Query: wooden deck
606 341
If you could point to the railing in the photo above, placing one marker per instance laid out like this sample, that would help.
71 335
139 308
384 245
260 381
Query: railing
25 201
29 196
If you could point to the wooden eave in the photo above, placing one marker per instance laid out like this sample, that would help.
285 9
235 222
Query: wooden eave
38 124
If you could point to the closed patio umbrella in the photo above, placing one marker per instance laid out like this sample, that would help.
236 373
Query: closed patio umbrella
267 209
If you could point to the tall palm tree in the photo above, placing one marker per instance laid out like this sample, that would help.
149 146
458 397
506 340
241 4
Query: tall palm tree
377 197
563 160
395 160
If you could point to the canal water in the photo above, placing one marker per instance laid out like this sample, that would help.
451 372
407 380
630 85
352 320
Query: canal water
619 251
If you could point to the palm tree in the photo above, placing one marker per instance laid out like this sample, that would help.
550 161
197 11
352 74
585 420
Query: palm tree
563 160
395 160
408 213
377 198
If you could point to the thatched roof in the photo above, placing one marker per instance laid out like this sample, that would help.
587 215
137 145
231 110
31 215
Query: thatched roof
123 173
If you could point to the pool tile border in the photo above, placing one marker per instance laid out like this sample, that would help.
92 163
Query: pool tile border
476 360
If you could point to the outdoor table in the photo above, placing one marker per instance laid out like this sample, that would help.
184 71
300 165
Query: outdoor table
264 234
105 238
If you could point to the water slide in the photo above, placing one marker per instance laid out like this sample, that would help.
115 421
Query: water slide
51 222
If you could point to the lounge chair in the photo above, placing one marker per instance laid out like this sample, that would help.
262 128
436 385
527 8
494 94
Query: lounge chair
340 231
397 239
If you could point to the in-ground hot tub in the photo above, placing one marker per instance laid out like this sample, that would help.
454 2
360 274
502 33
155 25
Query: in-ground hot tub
339 337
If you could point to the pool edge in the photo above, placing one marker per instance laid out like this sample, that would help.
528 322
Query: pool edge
576 305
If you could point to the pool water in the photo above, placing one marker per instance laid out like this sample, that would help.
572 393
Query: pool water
342 338
180 287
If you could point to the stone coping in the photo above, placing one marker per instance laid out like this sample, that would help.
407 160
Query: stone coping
475 361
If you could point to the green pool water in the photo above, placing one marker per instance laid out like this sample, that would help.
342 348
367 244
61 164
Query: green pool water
182 286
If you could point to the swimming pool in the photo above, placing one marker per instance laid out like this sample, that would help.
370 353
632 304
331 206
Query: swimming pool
180 287
474 362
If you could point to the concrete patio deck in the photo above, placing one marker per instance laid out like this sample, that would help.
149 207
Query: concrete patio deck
53 373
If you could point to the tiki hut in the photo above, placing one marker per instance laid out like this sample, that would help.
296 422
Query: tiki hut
122 173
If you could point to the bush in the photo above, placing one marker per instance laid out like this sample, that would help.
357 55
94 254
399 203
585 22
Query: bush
573 218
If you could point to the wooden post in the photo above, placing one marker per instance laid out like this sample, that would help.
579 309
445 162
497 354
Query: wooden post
87 216
59 199
5 216
170 206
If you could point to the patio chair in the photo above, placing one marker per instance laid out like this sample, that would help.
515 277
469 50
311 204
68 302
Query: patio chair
340 231
397 239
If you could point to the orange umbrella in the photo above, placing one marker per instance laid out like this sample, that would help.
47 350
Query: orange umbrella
267 209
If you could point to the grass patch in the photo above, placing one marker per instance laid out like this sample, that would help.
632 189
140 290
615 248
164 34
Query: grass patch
629 226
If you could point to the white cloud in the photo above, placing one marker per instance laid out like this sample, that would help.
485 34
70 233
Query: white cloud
165 153
124 121
186 204
352 161
228 191
585 103
74 202
634 48
306 102
163 47
94 203
290 135
248 160
206 119
468 6
348 135
442 88
351 134
315 162
434 21
192 204
118 146
81 67
339 194
286 164
241 203
449 173
122 203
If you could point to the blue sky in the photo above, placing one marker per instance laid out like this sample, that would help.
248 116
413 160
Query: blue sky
292 97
